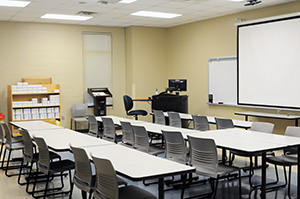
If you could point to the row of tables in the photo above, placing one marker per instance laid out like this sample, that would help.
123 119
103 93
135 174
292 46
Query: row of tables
246 141
129 163
125 159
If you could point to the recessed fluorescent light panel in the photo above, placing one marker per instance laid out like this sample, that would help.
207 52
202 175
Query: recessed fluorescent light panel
65 17
127 1
156 14
20 4
237 0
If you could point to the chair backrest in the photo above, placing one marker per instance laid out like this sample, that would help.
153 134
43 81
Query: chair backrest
7 134
223 123
141 138
292 131
44 156
83 170
175 147
2 139
79 110
200 123
128 135
159 117
28 146
174 119
203 154
106 181
109 130
264 127
128 103
93 124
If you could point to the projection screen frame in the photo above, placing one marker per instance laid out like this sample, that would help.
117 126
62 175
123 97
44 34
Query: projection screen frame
253 23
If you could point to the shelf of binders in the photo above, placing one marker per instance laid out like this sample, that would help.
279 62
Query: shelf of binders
34 102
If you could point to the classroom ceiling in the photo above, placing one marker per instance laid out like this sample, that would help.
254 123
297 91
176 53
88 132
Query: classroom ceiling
118 14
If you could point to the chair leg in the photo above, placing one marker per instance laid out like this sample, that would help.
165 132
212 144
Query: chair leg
34 183
46 186
215 188
1 153
240 185
29 177
20 173
6 168
3 159
91 193
83 194
71 185
289 185
183 177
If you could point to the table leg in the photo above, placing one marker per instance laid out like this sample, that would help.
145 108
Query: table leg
298 174
296 122
246 117
263 177
161 188
223 156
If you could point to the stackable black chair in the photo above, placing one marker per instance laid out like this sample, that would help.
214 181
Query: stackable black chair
159 117
263 127
49 168
204 157
128 103
79 113
174 119
200 123
30 157
11 144
285 160
83 178
223 123
127 134
141 141
109 130
93 125
107 184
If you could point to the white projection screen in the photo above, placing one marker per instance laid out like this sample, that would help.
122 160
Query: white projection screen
269 63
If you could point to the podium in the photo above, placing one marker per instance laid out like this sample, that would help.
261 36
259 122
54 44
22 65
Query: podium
169 102
99 95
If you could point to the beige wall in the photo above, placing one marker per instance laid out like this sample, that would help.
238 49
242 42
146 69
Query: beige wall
146 55
189 47
48 50
143 59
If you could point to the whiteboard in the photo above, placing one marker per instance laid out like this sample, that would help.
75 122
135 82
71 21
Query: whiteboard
222 79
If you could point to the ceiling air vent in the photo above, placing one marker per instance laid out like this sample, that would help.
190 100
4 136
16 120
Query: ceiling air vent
86 13
108 1
252 2
190 1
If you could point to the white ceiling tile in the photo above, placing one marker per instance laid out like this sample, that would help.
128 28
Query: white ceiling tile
119 14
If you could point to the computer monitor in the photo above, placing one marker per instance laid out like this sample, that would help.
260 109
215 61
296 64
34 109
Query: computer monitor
177 84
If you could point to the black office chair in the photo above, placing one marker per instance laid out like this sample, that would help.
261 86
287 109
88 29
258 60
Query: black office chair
128 103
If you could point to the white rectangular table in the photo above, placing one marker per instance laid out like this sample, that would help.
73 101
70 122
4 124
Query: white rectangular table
117 120
59 139
253 143
270 115
136 165
35 125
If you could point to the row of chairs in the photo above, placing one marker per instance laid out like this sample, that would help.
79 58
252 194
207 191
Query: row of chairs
176 149
105 184
137 137
201 123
